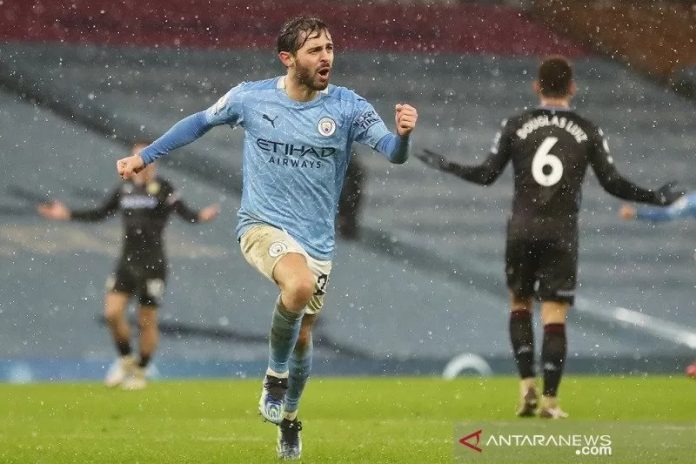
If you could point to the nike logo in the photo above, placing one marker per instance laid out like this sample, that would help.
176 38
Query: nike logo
272 121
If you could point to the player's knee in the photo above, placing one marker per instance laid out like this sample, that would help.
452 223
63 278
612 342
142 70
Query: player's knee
298 292
520 303
112 315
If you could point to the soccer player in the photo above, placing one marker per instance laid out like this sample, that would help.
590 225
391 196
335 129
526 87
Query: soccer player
550 147
145 202
685 207
297 145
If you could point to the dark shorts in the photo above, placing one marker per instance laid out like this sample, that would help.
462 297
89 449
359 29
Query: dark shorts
545 269
144 281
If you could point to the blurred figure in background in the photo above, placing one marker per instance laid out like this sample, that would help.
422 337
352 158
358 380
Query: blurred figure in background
347 221
145 203
550 148
685 207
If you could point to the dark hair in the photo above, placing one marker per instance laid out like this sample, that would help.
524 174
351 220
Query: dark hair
555 76
290 38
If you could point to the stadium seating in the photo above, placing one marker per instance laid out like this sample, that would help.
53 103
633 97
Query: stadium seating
652 37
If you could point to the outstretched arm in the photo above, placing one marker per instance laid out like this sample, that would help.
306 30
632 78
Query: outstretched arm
483 174
682 208
206 214
182 133
227 110
57 211
615 184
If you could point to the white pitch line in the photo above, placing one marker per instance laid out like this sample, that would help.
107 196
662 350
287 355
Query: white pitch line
660 328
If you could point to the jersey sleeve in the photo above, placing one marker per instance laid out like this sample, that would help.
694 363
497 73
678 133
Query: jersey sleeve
173 202
106 209
367 126
487 172
228 109
609 178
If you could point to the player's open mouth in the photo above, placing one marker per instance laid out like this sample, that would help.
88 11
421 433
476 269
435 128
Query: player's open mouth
324 73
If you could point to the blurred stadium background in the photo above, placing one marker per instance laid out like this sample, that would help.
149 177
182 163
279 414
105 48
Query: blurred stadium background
81 80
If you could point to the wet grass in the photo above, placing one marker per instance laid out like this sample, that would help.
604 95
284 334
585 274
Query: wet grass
375 420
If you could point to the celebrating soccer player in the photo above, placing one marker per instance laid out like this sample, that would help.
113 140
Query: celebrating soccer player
298 136
145 201
550 147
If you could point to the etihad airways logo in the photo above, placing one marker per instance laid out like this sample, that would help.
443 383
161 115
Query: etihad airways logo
289 149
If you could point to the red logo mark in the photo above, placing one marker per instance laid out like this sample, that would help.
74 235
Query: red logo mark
474 446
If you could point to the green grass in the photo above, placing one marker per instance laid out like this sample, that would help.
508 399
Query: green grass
368 420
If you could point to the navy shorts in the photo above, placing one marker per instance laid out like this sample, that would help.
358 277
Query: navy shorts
144 281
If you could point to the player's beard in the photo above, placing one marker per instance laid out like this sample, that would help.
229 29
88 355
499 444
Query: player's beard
310 78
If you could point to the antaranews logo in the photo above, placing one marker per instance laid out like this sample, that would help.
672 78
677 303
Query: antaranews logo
466 440
513 440
594 445
573 442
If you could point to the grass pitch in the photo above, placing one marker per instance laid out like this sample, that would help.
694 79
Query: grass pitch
370 420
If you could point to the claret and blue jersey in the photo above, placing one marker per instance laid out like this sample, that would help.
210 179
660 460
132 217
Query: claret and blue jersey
295 154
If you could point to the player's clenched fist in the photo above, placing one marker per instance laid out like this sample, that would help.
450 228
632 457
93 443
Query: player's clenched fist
127 167
406 117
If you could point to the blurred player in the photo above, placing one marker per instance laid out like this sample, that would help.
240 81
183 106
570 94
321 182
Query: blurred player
145 202
550 147
297 145
351 200
685 207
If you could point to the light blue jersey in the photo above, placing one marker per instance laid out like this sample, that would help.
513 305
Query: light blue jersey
295 154
682 208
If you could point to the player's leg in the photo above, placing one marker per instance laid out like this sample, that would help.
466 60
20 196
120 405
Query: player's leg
558 268
520 261
289 445
300 366
296 283
148 340
281 259
150 291
149 334
553 356
522 341
115 306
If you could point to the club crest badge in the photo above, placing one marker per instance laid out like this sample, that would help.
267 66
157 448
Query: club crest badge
326 126
277 248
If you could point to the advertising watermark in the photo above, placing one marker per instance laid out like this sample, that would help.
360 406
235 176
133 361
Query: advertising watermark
568 441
